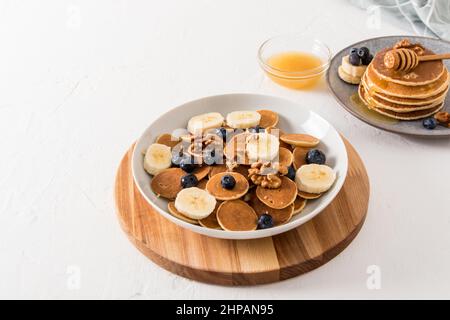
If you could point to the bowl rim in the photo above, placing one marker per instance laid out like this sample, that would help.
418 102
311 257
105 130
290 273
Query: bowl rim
241 235
313 72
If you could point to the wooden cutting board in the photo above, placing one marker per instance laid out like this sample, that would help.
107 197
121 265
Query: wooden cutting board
244 262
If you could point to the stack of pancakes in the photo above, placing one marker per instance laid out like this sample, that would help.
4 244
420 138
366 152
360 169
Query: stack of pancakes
411 95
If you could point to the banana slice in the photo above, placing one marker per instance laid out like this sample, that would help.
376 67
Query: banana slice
157 158
354 71
347 77
195 203
204 122
243 119
314 178
262 147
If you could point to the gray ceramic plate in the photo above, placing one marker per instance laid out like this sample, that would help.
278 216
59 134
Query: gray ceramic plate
346 94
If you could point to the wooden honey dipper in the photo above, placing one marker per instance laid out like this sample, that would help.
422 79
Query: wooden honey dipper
406 59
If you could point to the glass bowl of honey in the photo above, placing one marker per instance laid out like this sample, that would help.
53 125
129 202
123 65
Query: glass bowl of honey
294 60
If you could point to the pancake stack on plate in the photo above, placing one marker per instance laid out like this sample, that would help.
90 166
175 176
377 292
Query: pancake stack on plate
402 95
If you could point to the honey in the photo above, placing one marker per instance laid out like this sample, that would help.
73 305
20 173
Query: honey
368 113
295 69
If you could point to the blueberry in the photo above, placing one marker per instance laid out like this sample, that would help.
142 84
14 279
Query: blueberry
363 52
256 129
429 123
366 60
353 50
291 173
187 164
265 221
315 156
354 59
189 181
228 182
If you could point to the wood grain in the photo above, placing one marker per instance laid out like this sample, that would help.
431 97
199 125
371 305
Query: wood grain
244 262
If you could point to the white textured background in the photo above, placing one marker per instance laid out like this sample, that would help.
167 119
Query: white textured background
80 80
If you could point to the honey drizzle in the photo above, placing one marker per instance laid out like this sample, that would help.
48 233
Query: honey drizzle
368 112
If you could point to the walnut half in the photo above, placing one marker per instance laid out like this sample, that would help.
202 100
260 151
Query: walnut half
270 181
405 43
265 174
443 117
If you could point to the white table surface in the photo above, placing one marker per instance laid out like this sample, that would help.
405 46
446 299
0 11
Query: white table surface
80 80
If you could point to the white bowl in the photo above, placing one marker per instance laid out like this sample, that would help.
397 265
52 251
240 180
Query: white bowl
293 119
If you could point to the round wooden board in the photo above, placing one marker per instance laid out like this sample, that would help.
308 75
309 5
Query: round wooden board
244 262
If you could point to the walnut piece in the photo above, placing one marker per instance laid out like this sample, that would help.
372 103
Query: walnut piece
405 43
443 117
266 174
270 181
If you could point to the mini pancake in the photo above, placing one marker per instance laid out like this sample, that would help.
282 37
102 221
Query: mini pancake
167 183
235 149
300 139
237 215
285 157
202 172
211 220
299 205
299 157
286 145
278 198
173 211
268 118
168 140
279 216
214 186
309 196
202 184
